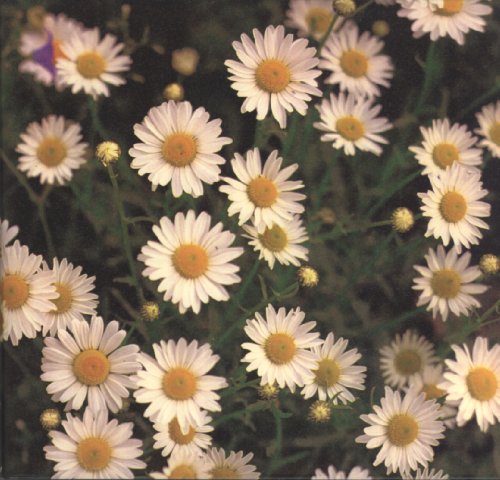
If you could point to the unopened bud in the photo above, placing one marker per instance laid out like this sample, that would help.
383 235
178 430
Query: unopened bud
50 418
344 8
402 220
174 91
108 152
307 276
185 61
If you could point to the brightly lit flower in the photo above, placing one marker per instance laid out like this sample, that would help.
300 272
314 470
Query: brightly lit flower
234 466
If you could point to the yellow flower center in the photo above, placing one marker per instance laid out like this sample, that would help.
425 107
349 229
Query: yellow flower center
494 133
318 20
183 471
328 372
90 65
402 430
262 192
15 291
350 128
64 301
51 151
444 154
280 348
93 454
272 76
91 367
174 430
274 239
432 391
179 383
453 207
450 7
179 149
482 383
190 261
224 472
407 362
446 283
354 63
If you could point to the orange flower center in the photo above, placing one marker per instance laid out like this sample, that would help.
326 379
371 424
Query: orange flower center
174 430
91 367
280 348
190 261
65 300
407 362
179 383
57 53
432 391
453 207
272 76
328 372
494 133
224 472
482 383
274 239
51 151
350 128
262 192
15 291
450 7
183 471
446 283
318 20
90 65
444 154
402 430
179 149
354 63
93 454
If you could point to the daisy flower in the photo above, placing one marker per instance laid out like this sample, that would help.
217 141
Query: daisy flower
406 428
454 18
489 128
444 145
275 72
87 363
180 147
94 448
26 293
171 439
427 474
192 260
446 283
351 123
407 355
176 385
454 208
233 466
75 297
357 473
280 352
355 62
90 64
474 382
183 464
51 150
263 195
335 372
280 242
7 234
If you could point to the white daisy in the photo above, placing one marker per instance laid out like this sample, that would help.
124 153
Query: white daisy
406 429
234 466
176 385
446 283
474 382
180 147
351 123
489 128
454 18
51 150
90 64
281 350
75 297
335 372
454 208
192 260
357 473
7 234
355 62
280 242
183 464
429 3
427 474
171 439
87 363
407 355
275 71
263 195
26 293
94 448
444 145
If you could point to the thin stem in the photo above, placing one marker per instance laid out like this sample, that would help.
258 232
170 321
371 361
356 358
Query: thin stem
327 34
475 104
339 231
362 7
35 198
45 224
96 121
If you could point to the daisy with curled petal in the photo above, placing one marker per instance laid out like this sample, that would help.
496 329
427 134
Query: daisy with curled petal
446 283
233 466
355 61
26 293
489 128
407 355
176 385
191 259
280 242
453 18
275 71
335 372
51 150
94 448
473 380
87 363
406 428
7 234
357 473
454 208
444 145
262 194
280 352
427 474
91 63
179 147
183 464
75 297
351 123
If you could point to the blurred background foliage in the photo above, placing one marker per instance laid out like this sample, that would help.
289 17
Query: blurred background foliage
366 273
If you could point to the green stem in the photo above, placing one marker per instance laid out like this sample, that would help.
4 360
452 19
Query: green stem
254 407
278 440
431 73
361 8
45 224
35 198
339 231
327 34
96 121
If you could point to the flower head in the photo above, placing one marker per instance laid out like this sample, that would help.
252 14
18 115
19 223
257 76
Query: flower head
489 128
235 465
311 18
108 152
